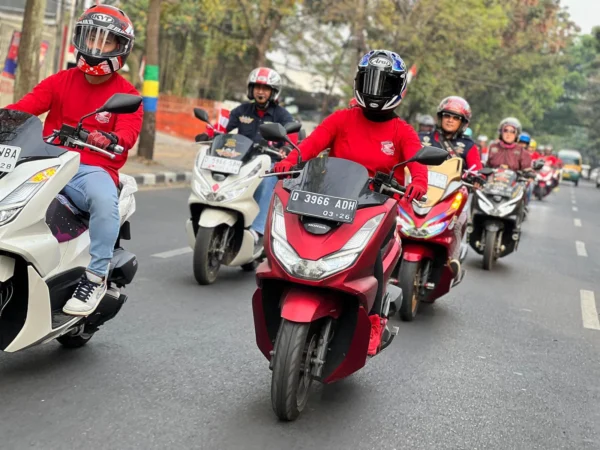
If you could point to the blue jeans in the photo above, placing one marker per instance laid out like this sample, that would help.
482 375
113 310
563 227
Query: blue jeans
93 190
263 195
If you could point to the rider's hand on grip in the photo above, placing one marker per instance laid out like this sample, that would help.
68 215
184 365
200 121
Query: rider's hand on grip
101 139
414 192
283 166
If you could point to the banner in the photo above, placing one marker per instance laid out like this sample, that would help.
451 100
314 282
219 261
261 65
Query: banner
223 120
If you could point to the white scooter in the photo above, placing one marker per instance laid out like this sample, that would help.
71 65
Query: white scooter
222 206
44 240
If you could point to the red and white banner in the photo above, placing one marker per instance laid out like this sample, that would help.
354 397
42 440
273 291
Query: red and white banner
223 120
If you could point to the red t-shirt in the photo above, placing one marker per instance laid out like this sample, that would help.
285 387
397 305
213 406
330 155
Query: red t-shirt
535 155
67 96
377 146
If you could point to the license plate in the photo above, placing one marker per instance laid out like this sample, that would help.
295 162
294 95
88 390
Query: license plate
222 165
337 209
437 180
9 156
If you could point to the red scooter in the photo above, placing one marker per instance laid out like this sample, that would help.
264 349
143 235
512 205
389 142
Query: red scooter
432 235
331 246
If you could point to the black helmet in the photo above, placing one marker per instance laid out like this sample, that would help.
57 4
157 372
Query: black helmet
380 81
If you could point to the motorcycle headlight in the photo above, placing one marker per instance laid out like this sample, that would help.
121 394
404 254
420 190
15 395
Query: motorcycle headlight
14 202
432 227
324 267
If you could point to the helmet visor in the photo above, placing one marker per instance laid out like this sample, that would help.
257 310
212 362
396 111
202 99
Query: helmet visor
378 83
98 41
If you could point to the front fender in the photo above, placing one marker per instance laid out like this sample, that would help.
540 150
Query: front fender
492 226
303 305
415 252
211 218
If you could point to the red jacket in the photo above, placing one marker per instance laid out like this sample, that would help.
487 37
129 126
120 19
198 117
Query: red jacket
535 155
377 146
67 96
553 161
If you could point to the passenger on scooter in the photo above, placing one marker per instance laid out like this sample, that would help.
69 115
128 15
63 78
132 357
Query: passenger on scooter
102 47
426 124
371 135
454 115
524 140
506 151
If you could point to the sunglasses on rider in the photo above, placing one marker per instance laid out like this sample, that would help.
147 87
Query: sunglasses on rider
451 116
509 130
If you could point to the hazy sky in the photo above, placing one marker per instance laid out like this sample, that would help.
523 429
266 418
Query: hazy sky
586 13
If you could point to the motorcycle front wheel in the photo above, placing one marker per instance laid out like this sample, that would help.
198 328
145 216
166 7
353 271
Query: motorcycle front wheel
206 261
489 250
70 341
292 365
409 281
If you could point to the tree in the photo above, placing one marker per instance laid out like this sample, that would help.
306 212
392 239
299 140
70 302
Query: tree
28 69
151 83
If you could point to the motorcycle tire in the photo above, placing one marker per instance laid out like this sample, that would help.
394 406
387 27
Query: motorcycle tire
205 268
407 280
289 392
251 266
489 250
69 341
539 195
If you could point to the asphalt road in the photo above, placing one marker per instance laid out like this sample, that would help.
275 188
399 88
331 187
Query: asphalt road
505 361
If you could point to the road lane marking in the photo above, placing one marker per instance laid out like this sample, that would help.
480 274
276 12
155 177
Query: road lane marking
575 208
574 201
589 313
577 222
581 251
172 253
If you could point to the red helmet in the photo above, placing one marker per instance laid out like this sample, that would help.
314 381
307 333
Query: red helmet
455 105
103 39
267 77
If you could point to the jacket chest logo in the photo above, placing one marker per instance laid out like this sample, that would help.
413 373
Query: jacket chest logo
426 140
246 119
387 147
103 117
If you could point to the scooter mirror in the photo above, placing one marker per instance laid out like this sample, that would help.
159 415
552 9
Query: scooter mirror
121 104
273 132
201 115
430 156
292 127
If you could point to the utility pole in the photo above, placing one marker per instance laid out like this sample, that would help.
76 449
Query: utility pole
150 89
28 68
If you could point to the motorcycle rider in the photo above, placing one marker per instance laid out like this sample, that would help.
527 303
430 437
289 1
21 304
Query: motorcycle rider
263 89
103 39
533 150
524 140
374 136
506 151
454 115
483 149
426 124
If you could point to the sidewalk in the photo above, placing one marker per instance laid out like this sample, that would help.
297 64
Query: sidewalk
173 161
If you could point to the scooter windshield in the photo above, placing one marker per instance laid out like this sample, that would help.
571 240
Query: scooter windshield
335 177
231 146
22 130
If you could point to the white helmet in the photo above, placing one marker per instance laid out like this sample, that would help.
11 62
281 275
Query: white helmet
267 77
513 122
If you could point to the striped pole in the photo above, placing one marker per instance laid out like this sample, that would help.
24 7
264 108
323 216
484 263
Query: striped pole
150 88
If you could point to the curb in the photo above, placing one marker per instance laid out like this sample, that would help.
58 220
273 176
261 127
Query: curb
146 179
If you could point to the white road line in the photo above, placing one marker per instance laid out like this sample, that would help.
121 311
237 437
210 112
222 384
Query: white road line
575 208
171 253
577 222
574 202
580 246
588 310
